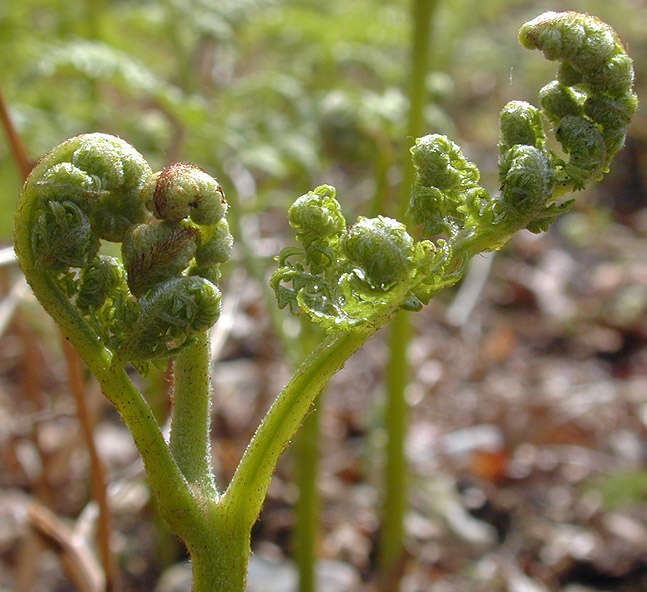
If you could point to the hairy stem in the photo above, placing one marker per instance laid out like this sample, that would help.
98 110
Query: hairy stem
219 559
190 441
395 471
77 387
246 492
174 496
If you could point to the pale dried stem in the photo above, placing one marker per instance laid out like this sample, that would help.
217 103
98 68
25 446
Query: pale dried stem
98 477
15 141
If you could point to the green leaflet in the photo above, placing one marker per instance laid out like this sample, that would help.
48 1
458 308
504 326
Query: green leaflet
344 277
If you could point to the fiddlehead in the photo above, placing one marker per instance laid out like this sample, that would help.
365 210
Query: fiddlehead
592 101
345 277
95 187
184 190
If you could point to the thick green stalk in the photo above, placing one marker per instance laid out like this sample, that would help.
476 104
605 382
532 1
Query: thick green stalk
246 492
307 507
190 421
391 538
219 559
171 489
175 500
306 446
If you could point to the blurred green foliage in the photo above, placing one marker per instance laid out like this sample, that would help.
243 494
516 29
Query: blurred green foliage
621 490
285 93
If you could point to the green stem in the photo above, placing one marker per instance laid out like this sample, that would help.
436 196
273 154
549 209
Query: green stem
190 421
395 472
307 443
219 558
421 15
246 492
391 540
382 164
176 502
307 507
174 496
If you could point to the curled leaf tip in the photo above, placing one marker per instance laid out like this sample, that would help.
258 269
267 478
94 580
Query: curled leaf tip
184 190
97 186
343 277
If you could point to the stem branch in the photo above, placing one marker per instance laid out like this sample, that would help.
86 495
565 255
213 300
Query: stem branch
190 440
246 492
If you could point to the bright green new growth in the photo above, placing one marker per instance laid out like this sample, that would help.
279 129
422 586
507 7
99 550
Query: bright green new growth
159 300
592 101
345 277
96 187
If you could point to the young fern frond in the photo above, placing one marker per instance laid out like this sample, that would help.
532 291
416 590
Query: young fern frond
346 277
173 233
156 302
161 297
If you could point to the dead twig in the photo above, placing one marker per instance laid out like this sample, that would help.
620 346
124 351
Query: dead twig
74 552
77 386
15 141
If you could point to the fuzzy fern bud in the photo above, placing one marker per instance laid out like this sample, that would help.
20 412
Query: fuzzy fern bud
62 236
443 175
592 100
582 40
440 163
558 100
521 124
316 214
381 247
215 245
153 253
343 277
103 278
318 222
184 190
101 174
170 313
583 141
527 179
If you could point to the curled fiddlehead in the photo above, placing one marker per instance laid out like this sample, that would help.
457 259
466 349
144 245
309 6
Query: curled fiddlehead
173 236
344 277
592 100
